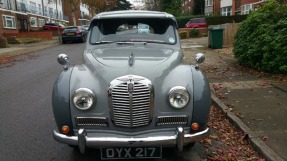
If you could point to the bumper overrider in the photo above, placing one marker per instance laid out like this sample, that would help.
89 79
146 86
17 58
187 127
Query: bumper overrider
179 139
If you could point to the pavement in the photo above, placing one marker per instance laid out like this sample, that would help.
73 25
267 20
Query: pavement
253 101
20 49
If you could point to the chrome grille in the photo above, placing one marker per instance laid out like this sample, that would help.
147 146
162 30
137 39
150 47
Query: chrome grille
131 98
172 120
91 121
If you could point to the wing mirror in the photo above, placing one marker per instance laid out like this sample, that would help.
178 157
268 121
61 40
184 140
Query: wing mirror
199 58
63 59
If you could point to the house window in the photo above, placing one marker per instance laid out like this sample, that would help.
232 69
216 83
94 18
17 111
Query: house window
246 9
8 21
40 9
33 22
50 12
45 11
33 8
41 22
226 11
2 5
208 3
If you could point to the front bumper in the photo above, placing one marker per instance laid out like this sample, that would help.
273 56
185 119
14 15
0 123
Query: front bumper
179 139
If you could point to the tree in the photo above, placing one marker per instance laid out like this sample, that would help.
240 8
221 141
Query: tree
171 6
198 7
97 6
152 5
74 6
123 5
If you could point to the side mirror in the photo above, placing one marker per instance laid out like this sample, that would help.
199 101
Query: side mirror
199 58
63 59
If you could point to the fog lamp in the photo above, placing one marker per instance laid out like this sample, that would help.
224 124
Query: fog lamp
194 126
65 129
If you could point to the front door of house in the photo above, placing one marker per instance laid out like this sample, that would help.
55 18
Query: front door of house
22 25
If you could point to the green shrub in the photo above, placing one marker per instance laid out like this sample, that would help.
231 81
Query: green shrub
183 34
261 40
13 40
194 33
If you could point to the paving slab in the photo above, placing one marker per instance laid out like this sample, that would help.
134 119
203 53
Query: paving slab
255 102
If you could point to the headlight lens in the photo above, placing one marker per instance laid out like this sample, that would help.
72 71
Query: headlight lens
84 98
178 97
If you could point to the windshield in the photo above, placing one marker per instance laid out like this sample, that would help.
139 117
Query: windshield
71 29
133 30
199 20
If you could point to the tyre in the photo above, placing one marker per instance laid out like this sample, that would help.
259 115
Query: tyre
82 39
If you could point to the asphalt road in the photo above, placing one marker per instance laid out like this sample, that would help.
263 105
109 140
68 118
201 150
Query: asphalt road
26 118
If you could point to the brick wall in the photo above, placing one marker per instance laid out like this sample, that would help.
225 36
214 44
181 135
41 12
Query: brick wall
216 6
42 35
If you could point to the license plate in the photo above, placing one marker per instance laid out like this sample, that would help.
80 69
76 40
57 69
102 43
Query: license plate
70 34
131 153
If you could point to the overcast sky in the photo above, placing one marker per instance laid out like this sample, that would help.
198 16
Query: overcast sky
136 2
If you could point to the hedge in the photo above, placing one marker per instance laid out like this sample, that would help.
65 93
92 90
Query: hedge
212 20
261 39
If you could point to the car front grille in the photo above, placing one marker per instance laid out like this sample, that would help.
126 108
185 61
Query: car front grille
172 120
91 121
131 101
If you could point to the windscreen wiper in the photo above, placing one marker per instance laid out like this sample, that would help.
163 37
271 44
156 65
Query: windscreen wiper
125 42
148 41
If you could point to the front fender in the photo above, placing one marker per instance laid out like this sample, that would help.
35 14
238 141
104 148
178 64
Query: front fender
61 100
202 98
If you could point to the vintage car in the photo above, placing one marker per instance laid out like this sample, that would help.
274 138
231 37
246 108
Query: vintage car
132 95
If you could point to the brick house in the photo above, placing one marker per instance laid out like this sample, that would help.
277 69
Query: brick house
187 6
28 15
18 16
212 7
226 7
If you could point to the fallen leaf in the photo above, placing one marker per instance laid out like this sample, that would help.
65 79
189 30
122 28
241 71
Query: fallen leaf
213 136
265 138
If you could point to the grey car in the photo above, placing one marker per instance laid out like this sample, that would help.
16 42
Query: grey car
74 33
132 95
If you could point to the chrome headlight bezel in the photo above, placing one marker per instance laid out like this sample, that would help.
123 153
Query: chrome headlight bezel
86 95
178 92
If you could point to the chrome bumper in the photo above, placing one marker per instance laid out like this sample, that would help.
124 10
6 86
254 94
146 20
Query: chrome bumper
179 139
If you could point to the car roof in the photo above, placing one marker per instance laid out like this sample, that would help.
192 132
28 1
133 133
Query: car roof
133 14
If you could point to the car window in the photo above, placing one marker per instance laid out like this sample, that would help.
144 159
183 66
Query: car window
133 30
197 21
71 29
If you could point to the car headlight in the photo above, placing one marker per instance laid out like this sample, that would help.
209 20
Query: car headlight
84 98
178 97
